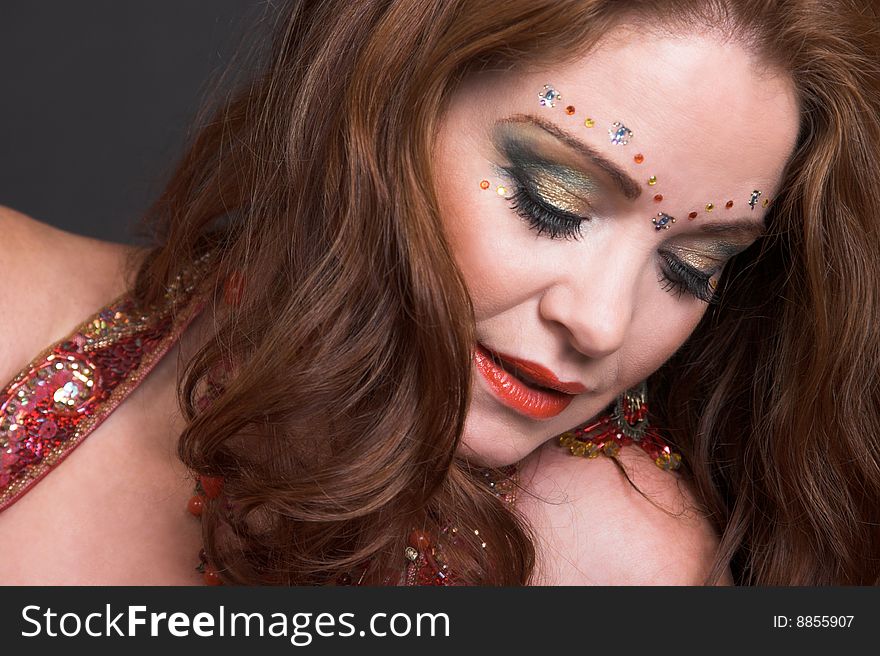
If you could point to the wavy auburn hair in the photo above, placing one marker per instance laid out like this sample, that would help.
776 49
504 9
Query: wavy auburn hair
348 355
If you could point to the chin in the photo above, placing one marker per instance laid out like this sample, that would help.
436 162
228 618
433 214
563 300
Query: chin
484 448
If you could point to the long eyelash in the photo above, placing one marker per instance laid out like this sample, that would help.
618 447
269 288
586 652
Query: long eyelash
541 218
685 281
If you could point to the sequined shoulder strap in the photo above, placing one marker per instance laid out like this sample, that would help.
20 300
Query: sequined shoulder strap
67 391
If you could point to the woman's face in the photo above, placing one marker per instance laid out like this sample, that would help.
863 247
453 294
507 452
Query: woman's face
550 220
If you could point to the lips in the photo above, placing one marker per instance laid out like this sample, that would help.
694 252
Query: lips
524 386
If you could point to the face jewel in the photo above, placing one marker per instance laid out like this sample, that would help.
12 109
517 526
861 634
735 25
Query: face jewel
652 180
753 199
638 159
569 110
548 96
67 393
729 204
765 202
710 207
692 216
619 133
662 220
589 122
484 184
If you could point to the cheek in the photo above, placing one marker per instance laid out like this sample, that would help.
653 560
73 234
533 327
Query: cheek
663 325
489 244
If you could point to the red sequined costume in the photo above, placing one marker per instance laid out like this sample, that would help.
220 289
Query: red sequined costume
69 389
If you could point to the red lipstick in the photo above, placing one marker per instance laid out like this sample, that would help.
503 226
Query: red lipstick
515 386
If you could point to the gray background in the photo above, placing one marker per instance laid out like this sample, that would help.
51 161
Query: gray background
95 100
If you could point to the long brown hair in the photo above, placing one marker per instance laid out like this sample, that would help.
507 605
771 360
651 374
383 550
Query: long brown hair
350 344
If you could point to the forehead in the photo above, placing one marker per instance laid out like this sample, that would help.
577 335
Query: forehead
705 116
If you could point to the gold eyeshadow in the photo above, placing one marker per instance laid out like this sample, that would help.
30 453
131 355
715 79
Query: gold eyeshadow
569 190
550 180
709 257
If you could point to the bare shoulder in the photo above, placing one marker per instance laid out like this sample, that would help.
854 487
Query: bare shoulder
52 280
593 528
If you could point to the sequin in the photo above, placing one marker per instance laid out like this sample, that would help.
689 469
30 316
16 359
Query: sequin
64 393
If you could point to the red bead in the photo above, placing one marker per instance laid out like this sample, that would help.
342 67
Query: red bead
196 505
211 576
211 485
692 215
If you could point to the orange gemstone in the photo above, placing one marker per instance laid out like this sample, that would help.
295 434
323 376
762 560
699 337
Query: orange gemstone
658 198
729 204
569 110
692 216
196 505
484 184
639 158
211 577
211 485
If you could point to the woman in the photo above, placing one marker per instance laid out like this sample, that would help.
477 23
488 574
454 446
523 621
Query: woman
434 240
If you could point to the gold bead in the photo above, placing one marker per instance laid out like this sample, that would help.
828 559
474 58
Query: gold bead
589 123
709 207
652 180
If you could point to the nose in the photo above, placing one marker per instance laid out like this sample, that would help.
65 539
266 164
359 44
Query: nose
595 307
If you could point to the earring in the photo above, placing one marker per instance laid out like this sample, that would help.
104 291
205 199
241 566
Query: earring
624 424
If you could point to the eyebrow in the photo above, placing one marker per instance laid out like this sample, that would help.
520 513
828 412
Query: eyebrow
746 228
631 189
627 185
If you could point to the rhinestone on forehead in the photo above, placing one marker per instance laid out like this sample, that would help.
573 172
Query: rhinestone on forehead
619 133
753 199
662 220
548 96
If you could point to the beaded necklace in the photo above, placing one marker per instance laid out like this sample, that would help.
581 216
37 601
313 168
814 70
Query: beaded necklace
424 560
